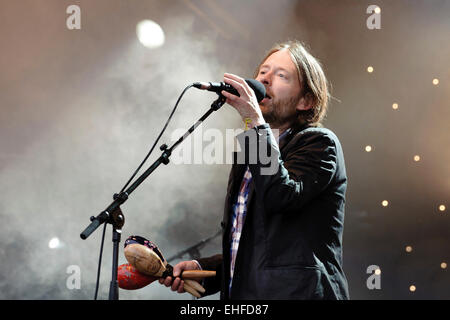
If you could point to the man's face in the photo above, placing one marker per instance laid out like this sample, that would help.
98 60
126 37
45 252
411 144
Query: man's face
279 75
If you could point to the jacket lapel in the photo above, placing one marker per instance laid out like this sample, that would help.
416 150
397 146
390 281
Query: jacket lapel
236 175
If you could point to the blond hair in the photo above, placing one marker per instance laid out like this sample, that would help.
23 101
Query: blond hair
311 78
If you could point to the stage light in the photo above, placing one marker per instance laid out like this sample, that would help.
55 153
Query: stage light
441 207
416 158
395 106
412 288
368 148
408 248
150 34
444 265
370 69
435 81
54 243
384 203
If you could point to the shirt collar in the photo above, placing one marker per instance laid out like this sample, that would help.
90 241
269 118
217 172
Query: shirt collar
284 134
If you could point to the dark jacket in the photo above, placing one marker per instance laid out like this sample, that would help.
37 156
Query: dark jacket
291 242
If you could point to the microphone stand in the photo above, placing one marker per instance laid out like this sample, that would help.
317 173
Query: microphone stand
113 213
194 251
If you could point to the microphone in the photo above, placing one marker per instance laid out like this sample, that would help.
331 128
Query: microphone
258 88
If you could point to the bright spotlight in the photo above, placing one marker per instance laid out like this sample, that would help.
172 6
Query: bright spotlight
150 34
54 243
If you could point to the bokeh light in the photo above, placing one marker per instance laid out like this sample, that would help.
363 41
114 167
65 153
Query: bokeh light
150 34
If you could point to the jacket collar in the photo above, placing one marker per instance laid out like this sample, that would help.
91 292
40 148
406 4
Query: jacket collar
286 136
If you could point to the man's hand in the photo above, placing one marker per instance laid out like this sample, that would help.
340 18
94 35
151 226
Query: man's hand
246 104
178 284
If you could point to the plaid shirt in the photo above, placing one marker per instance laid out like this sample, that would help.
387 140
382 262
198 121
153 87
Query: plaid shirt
238 217
239 212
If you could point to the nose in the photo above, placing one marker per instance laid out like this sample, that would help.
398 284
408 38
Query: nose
266 79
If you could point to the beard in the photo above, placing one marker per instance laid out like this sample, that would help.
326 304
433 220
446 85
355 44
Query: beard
280 112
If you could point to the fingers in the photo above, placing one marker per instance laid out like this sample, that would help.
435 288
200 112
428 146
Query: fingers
194 285
167 281
246 104
178 268
192 291
238 83
180 288
235 79
230 97
176 283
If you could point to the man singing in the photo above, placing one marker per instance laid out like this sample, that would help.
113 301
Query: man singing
282 232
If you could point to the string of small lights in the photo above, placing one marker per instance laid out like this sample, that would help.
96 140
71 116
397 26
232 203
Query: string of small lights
416 158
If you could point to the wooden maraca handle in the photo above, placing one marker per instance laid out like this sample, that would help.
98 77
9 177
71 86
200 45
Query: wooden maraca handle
197 274
188 274
193 287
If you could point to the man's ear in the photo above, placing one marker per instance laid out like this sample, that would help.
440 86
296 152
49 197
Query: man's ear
306 102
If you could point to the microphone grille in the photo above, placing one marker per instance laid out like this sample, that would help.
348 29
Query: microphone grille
258 88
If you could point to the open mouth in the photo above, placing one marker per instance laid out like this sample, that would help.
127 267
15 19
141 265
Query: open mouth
266 99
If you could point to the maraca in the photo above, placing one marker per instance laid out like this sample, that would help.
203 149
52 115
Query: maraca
145 256
130 278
